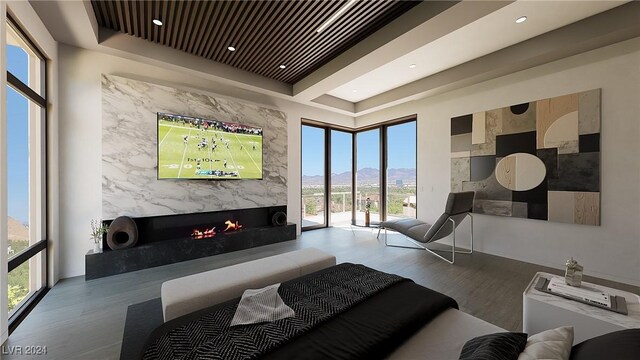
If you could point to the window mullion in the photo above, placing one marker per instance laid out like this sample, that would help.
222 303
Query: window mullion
25 90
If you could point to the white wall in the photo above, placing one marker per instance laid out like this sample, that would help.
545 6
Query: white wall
81 135
610 251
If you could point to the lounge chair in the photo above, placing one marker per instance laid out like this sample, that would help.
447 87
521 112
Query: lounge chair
459 206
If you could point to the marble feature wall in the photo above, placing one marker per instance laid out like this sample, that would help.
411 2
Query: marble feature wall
129 152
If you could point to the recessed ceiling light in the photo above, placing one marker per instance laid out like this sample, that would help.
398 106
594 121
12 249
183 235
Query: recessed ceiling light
231 48
354 90
283 66
336 15
157 22
521 19
412 66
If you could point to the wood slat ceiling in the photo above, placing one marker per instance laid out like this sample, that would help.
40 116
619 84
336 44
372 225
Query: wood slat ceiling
265 34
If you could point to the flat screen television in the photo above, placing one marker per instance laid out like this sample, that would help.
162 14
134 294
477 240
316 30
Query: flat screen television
196 148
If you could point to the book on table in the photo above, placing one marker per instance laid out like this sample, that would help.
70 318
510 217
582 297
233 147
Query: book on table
585 294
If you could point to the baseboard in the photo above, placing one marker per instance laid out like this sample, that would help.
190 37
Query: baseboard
561 266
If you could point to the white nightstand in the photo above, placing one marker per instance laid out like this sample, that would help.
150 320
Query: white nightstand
542 311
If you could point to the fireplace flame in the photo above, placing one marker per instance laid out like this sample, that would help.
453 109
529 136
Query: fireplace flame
206 233
231 226
211 232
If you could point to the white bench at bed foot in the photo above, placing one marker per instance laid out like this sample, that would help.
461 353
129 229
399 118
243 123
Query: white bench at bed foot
187 294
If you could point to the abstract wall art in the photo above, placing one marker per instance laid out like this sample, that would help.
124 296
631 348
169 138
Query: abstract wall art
537 160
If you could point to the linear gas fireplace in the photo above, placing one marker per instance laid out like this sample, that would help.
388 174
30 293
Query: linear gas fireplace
169 239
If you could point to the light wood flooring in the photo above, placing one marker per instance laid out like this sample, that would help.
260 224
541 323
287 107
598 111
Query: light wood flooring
81 319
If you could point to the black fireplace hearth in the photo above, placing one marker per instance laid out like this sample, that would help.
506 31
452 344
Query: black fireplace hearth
169 239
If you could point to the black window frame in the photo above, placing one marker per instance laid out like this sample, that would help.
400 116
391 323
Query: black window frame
384 153
41 246
383 126
326 174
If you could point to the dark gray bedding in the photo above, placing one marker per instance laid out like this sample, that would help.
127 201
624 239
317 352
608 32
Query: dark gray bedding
346 311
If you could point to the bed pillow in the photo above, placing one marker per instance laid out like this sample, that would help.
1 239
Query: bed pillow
499 346
554 344
261 305
618 345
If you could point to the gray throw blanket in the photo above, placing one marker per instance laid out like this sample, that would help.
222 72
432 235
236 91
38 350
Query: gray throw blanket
314 298
261 305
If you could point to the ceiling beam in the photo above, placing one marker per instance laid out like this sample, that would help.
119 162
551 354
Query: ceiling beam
335 102
419 26
70 22
610 27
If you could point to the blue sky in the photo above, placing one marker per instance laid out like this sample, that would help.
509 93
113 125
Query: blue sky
17 138
401 149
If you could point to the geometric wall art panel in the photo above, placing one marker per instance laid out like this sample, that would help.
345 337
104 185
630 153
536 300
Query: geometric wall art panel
516 143
537 160
577 172
482 167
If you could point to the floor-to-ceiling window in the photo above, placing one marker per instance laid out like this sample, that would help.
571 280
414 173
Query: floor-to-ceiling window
313 177
341 166
401 170
358 177
368 177
25 144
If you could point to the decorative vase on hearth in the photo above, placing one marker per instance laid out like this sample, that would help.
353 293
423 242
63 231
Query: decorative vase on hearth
97 245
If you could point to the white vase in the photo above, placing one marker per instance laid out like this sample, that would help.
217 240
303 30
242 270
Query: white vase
97 247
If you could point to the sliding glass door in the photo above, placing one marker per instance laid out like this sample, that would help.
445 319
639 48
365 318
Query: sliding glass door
341 178
313 177
401 170
368 179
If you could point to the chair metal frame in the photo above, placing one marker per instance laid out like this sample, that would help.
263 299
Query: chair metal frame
419 245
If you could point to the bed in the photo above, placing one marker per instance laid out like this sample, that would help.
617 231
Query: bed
395 318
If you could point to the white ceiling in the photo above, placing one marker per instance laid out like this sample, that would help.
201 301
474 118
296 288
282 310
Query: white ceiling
493 32
433 36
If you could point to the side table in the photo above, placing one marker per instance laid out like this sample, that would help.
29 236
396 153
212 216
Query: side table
543 311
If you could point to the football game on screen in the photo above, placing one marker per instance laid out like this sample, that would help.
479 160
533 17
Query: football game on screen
194 148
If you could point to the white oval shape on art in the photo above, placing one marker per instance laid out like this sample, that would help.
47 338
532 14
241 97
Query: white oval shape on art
520 172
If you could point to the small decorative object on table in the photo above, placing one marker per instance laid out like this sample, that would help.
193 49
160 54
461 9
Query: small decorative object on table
98 229
367 207
573 275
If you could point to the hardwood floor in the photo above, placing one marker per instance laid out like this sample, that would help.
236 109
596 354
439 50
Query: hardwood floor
81 319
